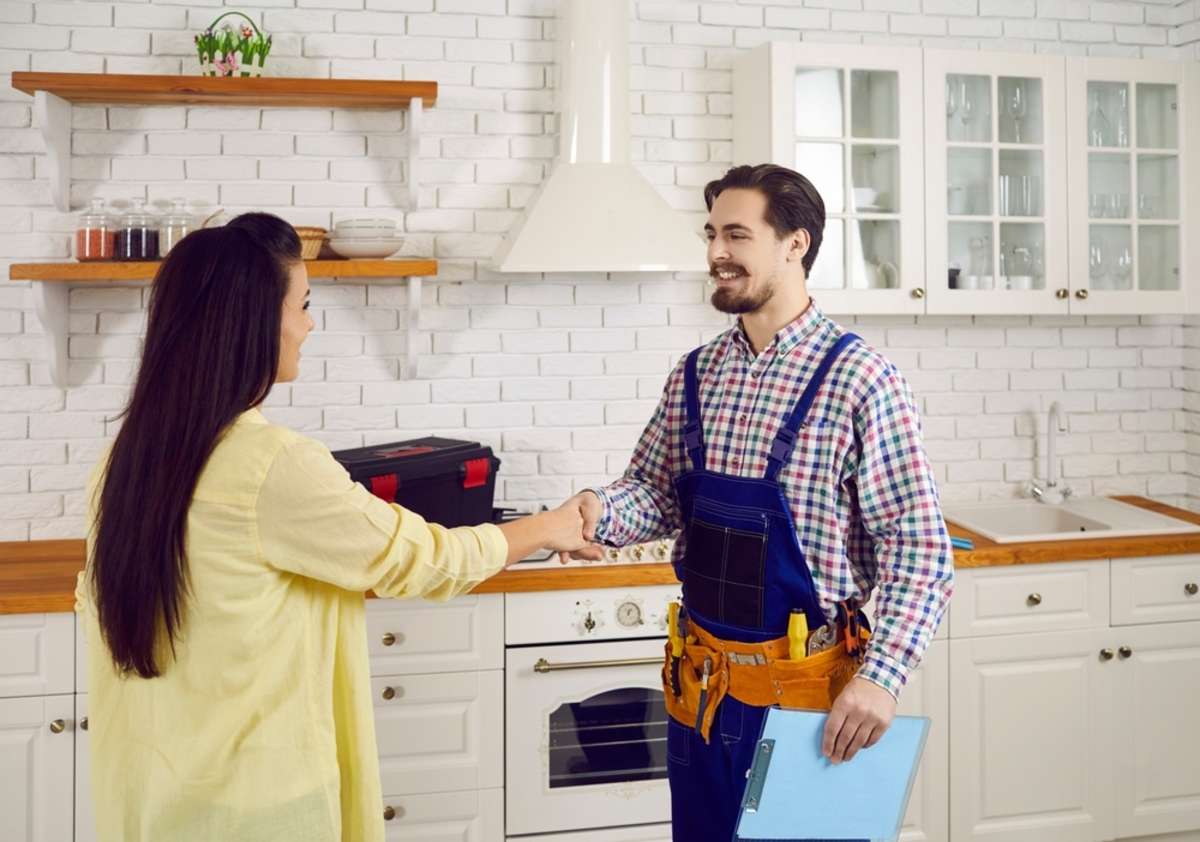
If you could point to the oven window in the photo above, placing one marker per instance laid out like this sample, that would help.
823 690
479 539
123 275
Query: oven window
616 736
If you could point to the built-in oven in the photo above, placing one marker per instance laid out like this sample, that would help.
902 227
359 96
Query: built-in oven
585 725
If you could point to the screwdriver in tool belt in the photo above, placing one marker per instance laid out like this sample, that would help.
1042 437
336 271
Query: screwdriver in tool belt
703 695
797 635
676 637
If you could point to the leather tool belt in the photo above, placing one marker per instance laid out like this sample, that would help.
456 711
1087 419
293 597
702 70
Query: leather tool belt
758 674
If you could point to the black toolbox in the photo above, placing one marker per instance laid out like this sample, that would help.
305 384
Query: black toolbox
446 481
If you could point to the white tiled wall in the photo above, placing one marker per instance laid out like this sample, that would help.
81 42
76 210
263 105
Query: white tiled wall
557 373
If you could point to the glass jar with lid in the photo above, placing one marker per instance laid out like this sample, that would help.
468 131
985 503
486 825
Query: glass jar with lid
137 234
94 236
175 226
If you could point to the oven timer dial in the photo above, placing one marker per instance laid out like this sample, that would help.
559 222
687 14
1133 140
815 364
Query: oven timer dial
629 613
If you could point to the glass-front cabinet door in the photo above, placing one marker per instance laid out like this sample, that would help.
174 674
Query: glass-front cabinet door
1128 166
848 118
996 173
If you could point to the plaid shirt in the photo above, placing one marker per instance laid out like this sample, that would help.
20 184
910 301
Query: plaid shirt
859 485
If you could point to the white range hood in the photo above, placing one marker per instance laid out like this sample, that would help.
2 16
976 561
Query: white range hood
595 212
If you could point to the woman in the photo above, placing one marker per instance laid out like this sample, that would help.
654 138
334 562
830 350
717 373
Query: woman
227 560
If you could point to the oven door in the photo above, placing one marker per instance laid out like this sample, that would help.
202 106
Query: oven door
586 736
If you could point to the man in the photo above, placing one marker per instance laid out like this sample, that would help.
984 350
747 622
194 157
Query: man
787 456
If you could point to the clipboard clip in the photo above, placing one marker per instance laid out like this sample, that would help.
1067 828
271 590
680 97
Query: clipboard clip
757 775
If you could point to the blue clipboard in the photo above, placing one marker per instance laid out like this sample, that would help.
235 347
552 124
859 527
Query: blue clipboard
794 793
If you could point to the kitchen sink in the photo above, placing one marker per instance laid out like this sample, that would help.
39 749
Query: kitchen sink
1008 522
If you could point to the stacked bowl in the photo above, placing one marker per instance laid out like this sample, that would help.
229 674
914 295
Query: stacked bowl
365 238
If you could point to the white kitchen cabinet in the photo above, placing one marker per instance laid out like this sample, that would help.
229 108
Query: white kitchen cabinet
1156 743
1129 169
848 118
995 166
928 694
414 636
36 756
1030 598
445 817
441 732
36 654
85 814
1155 589
1031 756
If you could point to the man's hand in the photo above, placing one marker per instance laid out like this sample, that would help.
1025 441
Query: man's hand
860 716
590 508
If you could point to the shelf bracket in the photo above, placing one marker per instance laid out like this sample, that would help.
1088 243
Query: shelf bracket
52 114
50 301
410 337
415 109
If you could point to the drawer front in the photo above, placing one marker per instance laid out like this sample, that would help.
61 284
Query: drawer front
37 654
1030 598
1157 589
440 733
406 637
445 817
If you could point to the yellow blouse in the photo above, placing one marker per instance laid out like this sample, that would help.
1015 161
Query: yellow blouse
261 728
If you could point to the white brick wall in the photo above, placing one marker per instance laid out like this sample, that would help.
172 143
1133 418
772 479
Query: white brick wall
558 374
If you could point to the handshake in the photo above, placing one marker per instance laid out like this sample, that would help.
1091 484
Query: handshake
569 530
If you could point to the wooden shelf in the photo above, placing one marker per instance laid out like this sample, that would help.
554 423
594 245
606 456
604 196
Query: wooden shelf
51 295
134 89
102 271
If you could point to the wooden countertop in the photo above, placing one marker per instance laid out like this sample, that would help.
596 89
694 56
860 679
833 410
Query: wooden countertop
39 576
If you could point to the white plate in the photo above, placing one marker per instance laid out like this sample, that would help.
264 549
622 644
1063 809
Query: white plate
366 248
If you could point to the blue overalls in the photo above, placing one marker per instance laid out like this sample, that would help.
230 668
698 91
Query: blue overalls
743 573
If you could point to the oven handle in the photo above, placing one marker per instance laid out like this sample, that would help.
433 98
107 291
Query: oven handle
544 666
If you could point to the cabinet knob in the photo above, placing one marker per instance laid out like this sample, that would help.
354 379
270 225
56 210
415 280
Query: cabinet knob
1033 600
392 638
390 812
1081 294
918 293
83 723
1060 294
58 726
390 693
1191 588
1124 651
1106 654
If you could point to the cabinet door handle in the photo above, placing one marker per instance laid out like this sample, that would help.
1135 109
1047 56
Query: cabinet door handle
390 693
1124 651
1191 588
918 293
83 724
1106 654
58 726
392 638
1033 600
1081 294
1060 294
390 812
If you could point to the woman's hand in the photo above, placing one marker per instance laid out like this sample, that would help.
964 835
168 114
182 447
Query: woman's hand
565 528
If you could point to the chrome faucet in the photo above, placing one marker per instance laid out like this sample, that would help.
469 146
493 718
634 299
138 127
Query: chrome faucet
1052 493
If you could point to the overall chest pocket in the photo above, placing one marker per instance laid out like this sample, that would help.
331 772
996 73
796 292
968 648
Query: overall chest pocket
726 563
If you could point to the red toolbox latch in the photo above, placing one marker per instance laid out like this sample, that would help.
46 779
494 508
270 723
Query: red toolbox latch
384 486
475 472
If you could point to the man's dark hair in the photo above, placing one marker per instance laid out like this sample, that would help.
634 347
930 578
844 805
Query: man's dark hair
792 201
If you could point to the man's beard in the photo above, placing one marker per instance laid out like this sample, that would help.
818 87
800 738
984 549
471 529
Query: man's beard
735 302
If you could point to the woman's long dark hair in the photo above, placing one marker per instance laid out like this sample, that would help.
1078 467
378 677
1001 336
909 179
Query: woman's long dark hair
211 353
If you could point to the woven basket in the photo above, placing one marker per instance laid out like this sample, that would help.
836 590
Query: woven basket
311 238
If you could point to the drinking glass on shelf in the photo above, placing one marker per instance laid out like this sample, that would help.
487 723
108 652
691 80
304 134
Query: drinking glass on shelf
1118 205
966 105
1096 268
1098 125
1123 268
1015 105
1121 115
951 97
1097 205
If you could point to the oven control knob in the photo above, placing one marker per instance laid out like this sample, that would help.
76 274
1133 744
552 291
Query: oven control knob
588 623
629 614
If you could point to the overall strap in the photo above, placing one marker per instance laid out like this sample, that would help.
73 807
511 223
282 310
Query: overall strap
692 438
785 439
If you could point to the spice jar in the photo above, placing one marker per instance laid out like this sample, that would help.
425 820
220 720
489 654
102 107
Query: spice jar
175 226
94 236
137 234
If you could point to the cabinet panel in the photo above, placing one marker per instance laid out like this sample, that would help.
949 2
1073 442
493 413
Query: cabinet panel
36 654
85 814
438 733
1156 739
415 636
1030 598
1129 164
928 694
1157 589
1031 757
445 817
995 170
35 767
849 119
